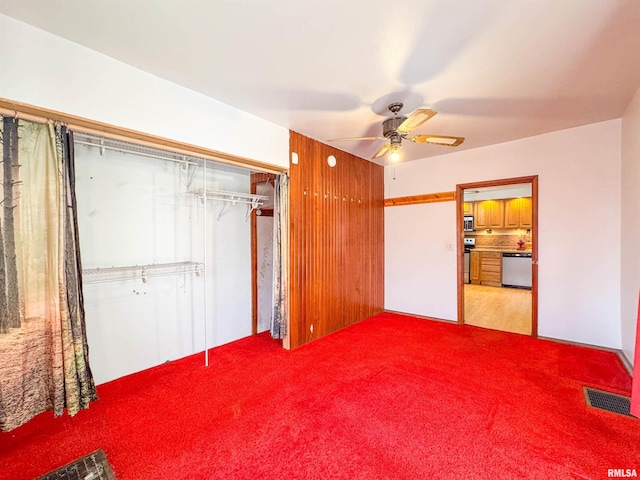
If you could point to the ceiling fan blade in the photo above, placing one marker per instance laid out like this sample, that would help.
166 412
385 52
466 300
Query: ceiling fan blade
416 119
381 151
354 138
438 140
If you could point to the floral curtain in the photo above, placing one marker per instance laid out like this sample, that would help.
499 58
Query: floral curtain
44 358
280 258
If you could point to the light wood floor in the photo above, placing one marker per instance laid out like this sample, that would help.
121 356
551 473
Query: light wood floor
507 309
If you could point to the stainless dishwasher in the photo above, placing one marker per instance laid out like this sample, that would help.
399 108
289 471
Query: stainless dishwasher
516 270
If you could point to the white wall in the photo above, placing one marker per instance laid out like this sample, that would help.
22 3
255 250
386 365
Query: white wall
134 210
44 70
630 259
419 268
579 229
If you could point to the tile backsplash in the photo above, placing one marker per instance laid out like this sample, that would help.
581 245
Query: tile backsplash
500 240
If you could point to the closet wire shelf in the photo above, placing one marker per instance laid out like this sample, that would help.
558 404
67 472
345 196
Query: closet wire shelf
252 200
139 272
233 197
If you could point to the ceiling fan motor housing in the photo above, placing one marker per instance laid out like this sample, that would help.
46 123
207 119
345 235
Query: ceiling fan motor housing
390 125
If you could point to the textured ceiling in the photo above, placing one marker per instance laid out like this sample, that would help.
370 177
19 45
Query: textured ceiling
495 70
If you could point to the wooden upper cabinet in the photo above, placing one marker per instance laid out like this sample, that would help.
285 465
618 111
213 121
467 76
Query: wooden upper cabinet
518 213
468 208
526 213
489 214
512 208
496 219
480 215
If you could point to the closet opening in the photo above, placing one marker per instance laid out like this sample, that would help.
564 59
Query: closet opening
167 253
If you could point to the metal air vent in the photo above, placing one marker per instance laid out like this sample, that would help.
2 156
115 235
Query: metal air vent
610 402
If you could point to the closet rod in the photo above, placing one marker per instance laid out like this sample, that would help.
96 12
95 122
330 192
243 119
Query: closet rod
142 154
139 272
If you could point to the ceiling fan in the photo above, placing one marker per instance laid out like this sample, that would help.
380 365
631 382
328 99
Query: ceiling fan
397 127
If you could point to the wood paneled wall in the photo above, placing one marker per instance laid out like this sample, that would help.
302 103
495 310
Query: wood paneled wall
337 240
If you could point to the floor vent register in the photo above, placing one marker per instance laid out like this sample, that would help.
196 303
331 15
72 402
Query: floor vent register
610 402
90 467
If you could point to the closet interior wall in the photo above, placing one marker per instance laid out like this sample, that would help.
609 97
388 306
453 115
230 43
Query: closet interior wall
134 211
337 240
263 184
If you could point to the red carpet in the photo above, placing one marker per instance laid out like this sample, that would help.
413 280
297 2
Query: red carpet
391 397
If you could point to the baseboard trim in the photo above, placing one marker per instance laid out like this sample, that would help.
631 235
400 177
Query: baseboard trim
628 365
435 319
626 362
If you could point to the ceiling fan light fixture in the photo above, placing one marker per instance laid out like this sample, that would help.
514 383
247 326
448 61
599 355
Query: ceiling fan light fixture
395 144
397 127
394 153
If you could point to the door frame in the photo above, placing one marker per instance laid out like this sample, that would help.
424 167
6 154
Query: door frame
460 188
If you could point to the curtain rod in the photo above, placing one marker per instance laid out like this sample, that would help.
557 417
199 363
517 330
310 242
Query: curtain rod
91 127
24 116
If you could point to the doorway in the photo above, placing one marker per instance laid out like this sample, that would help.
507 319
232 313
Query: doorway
497 225
262 254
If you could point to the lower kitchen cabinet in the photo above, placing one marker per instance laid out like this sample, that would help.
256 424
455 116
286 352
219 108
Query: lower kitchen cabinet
491 269
485 268
474 268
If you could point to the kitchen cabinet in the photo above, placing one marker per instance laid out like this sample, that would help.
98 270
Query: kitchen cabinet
485 268
467 208
526 213
481 215
489 214
491 269
512 213
474 268
518 213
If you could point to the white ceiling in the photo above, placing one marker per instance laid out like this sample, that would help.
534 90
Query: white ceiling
495 70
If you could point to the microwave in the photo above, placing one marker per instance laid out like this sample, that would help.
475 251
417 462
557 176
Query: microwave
468 223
